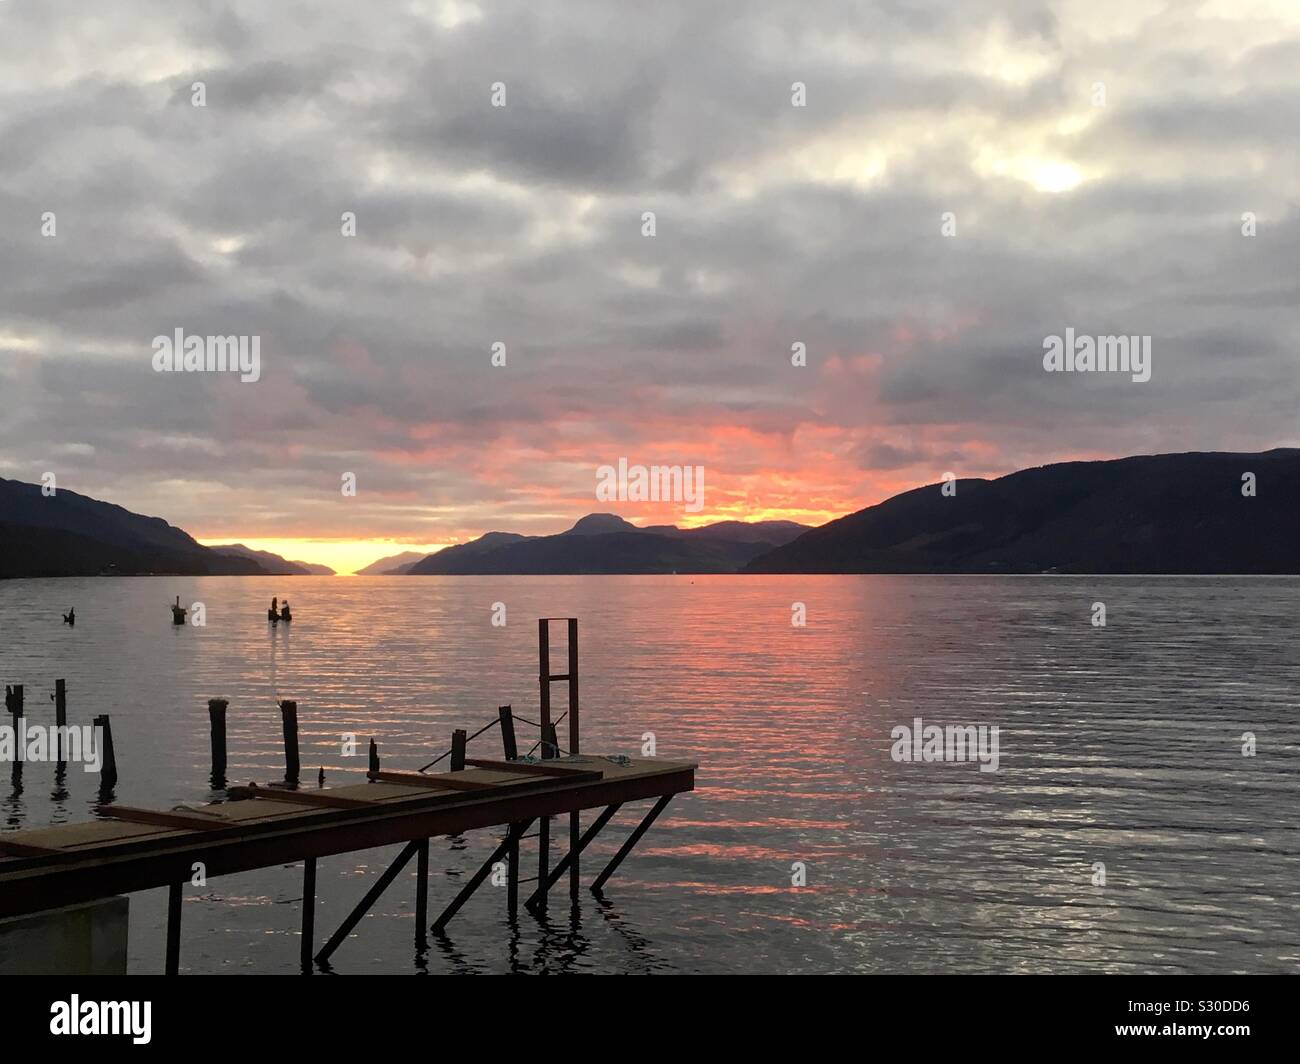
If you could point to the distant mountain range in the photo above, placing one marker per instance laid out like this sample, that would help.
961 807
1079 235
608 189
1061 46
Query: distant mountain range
605 543
1168 513
273 564
393 565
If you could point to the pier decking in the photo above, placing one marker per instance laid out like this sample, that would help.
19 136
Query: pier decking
139 849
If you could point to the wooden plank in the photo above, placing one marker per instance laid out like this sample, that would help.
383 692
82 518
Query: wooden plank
443 781
528 769
165 819
321 798
22 849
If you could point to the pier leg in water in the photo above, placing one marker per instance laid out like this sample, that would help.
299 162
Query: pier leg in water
477 879
421 893
308 913
538 898
372 895
632 840
173 930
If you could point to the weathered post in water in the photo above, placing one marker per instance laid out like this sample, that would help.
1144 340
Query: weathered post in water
508 732
60 717
217 719
14 703
458 750
289 718
108 768
374 756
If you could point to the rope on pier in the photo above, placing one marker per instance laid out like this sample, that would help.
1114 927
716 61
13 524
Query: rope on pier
494 723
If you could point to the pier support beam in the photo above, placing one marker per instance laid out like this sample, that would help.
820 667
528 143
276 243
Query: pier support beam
372 895
421 891
512 838
308 913
173 965
570 858
632 840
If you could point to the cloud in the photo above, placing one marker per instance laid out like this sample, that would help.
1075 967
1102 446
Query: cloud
523 225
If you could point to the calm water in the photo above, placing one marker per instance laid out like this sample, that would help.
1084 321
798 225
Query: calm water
1119 745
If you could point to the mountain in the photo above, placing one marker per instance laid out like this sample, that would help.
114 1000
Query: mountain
1168 513
273 563
605 543
67 534
393 565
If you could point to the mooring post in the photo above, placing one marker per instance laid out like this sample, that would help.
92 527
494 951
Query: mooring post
289 720
217 720
458 750
508 733
108 767
173 929
60 715
374 756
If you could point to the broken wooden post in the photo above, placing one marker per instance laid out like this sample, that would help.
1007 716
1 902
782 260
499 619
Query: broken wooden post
550 745
14 703
374 756
60 717
508 732
289 721
108 758
217 720
458 750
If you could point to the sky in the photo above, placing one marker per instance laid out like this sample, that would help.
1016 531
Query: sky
960 182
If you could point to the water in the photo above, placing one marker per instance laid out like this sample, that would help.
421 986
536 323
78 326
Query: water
1118 745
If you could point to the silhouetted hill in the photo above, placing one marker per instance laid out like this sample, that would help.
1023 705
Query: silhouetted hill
393 565
273 563
1170 513
605 543
67 534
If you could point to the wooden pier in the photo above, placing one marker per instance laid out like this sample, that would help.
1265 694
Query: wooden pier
133 849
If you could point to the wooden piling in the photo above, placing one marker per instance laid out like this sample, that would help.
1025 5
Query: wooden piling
508 744
458 750
60 716
374 756
108 769
289 721
217 720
